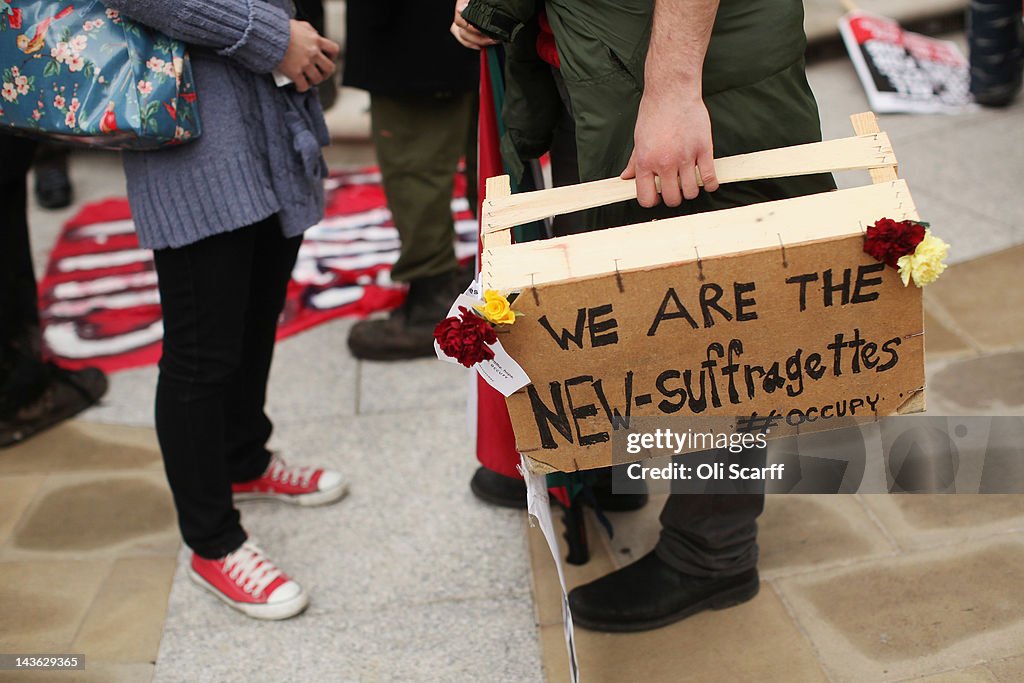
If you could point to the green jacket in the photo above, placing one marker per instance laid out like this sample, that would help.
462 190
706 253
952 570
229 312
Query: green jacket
754 87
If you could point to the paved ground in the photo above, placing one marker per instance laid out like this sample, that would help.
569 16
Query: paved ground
412 579
855 588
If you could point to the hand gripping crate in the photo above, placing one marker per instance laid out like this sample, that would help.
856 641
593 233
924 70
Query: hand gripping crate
771 314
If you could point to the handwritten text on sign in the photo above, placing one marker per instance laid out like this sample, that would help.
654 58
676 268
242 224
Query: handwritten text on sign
828 333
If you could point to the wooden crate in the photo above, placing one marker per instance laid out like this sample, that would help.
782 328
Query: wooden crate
632 323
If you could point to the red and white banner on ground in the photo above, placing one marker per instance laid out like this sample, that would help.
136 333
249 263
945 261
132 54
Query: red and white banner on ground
100 306
904 72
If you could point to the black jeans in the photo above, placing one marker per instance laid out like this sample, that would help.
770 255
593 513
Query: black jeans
23 375
221 299
710 534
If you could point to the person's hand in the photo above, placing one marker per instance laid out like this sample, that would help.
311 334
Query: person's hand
309 59
672 136
467 34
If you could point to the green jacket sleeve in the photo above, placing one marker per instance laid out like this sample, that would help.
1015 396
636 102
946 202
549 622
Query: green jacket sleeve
500 19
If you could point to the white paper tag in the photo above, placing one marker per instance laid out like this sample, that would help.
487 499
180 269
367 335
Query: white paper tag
280 80
502 372
539 507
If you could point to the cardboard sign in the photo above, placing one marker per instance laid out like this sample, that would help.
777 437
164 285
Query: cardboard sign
768 316
816 330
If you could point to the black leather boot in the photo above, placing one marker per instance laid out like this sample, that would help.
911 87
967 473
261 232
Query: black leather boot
68 393
497 489
649 594
409 331
53 186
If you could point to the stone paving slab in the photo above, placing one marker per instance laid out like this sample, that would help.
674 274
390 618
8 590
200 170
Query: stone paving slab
81 446
129 399
1009 670
974 675
96 516
984 158
929 521
983 385
756 641
407 558
798 533
960 169
994 322
16 493
119 628
943 339
45 601
411 385
95 672
87 550
443 641
891 619
313 376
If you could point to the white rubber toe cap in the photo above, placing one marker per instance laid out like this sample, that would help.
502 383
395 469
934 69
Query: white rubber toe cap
287 591
330 480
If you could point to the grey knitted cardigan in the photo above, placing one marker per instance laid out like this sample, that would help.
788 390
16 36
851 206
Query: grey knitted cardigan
259 152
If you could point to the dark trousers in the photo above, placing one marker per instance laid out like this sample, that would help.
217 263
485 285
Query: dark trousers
710 535
419 140
221 299
23 375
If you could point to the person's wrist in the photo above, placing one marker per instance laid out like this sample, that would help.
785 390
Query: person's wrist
675 91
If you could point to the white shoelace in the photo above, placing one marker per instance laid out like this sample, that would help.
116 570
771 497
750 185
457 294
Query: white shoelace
280 471
250 569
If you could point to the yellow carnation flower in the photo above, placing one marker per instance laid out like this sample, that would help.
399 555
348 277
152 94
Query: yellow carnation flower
925 265
496 308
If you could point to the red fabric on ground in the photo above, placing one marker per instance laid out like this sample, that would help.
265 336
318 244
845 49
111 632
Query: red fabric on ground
98 300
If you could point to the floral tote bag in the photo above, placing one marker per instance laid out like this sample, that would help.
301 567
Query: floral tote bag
80 72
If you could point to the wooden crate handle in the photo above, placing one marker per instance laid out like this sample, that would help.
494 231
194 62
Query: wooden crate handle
866 123
871 150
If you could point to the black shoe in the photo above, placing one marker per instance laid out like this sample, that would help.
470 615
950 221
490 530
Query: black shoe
409 331
649 594
53 187
68 393
497 489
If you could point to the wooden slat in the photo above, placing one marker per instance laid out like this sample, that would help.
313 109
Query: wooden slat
856 153
769 225
866 123
497 187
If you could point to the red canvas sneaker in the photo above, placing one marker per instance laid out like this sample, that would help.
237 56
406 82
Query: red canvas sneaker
248 581
296 485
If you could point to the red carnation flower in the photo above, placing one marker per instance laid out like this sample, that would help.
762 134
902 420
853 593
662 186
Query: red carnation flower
465 337
887 240
15 18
